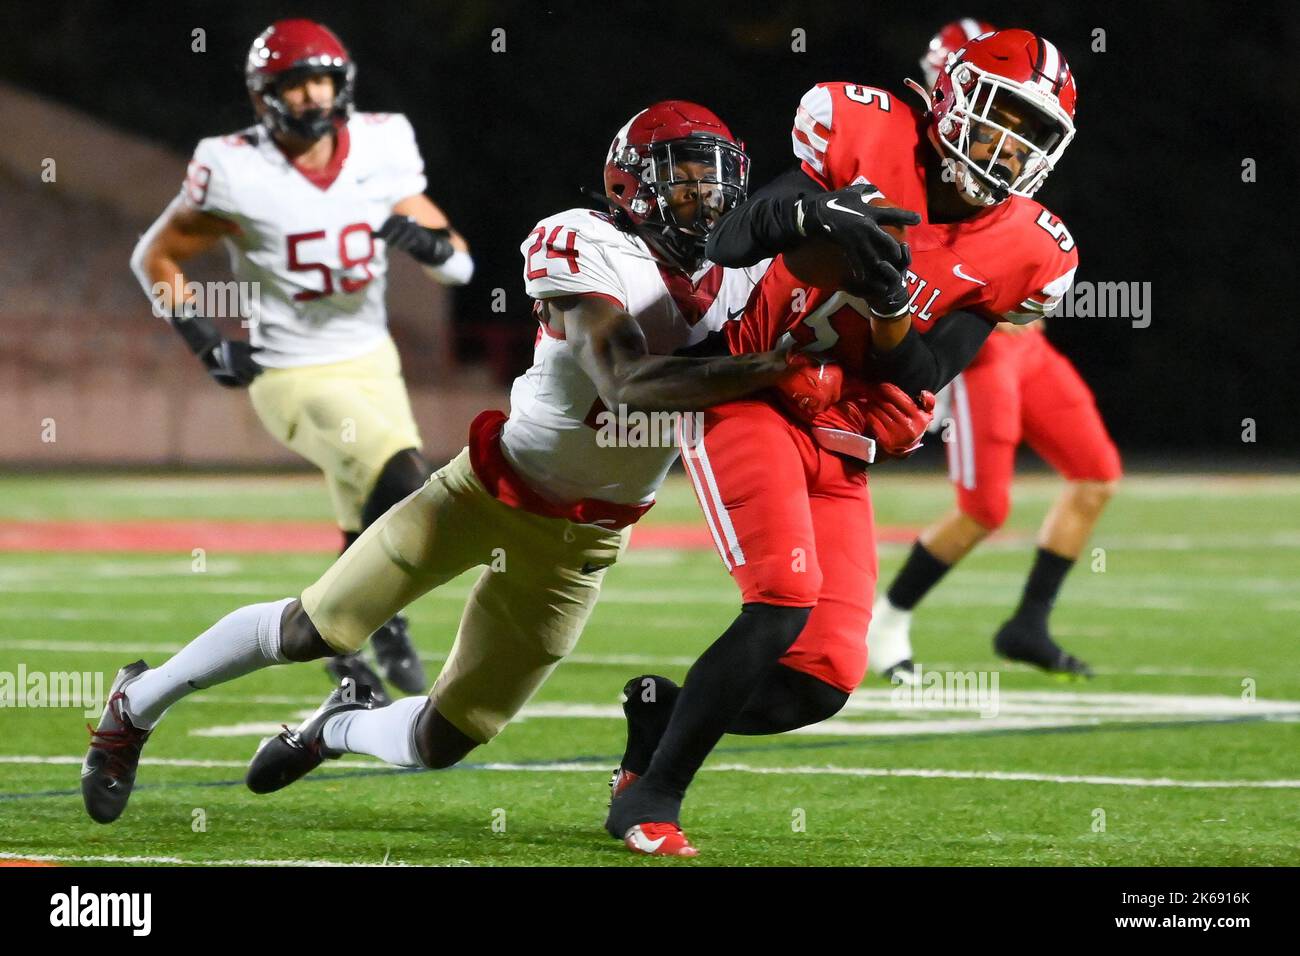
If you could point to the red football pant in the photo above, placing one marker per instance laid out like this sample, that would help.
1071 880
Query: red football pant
1019 388
793 525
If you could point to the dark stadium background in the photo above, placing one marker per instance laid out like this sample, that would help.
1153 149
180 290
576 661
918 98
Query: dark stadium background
1151 188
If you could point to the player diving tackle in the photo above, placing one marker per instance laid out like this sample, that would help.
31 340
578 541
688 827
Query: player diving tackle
627 307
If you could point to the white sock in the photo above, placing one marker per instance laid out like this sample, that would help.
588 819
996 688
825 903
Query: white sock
387 733
889 638
243 641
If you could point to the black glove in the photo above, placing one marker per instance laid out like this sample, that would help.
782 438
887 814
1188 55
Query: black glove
846 217
430 246
885 286
229 361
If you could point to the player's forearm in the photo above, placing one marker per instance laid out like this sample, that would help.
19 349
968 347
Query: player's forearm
764 225
929 362
162 279
454 271
671 383
888 334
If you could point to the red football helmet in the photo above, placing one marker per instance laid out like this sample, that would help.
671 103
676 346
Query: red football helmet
653 154
289 51
950 38
1009 89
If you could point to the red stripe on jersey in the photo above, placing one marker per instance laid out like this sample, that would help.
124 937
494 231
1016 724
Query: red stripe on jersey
505 485
692 298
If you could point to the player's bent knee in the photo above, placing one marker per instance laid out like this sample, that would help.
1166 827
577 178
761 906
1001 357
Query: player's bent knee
799 586
988 514
403 474
780 624
299 639
1092 496
439 743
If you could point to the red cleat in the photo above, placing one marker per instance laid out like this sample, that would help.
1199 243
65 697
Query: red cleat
659 839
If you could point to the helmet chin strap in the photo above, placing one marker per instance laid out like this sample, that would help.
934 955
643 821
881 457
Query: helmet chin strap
660 236
672 244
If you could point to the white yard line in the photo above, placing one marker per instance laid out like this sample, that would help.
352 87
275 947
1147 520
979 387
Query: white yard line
924 773
936 774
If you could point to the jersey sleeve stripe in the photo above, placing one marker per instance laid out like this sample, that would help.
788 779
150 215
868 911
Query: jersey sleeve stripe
810 136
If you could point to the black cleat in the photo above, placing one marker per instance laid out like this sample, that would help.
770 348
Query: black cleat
397 657
354 666
636 804
1031 644
902 673
108 773
293 754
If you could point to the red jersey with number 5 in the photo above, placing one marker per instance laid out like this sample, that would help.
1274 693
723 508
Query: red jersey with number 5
1009 262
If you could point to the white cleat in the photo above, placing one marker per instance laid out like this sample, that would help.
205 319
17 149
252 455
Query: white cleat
889 642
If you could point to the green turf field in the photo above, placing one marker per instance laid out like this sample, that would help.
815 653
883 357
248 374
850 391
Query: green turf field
1185 750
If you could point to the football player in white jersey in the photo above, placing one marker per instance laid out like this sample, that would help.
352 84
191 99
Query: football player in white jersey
309 202
543 500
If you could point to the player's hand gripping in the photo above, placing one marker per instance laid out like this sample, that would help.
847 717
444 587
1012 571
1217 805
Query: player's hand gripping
877 261
432 247
809 386
230 362
886 413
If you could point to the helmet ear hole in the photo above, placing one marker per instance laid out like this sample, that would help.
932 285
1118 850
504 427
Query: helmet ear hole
617 189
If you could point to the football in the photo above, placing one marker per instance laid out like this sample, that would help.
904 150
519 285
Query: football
821 263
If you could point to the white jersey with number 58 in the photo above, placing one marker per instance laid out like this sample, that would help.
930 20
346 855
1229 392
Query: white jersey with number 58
553 437
305 238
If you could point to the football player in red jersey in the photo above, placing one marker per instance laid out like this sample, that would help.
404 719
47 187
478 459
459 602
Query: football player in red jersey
1018 388
788 508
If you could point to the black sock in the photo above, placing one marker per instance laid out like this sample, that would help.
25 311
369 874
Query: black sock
920 572
648 703
716 690
1041 588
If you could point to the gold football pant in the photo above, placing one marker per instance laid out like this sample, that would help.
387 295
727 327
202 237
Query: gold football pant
346 418
540 582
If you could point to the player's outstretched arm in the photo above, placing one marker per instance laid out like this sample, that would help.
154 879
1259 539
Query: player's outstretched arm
795 207
611 348
420 228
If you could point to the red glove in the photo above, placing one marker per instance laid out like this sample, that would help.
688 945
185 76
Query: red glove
809 387
887 414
